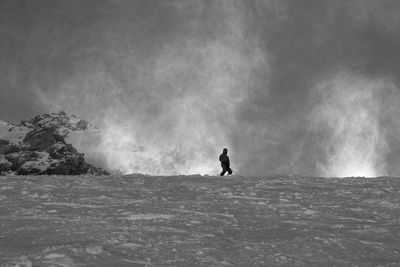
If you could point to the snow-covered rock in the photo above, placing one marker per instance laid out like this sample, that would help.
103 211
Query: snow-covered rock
38 146
60 121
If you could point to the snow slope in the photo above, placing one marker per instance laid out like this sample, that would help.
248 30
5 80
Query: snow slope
14 133
139 220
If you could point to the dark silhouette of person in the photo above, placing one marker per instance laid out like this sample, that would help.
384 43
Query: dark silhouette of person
225 164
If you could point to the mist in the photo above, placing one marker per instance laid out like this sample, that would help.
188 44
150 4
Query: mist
289 87
351 122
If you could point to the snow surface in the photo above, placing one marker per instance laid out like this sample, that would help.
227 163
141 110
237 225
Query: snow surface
15 134
138 220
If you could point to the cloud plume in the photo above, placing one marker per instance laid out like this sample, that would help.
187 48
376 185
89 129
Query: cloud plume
307 87
350 121
180 105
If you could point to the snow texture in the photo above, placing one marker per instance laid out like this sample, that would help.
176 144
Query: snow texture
139 220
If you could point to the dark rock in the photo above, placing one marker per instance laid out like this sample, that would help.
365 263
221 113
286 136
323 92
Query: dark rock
12 149
56 120
19 158
60 170
90 169
4 142
59 159
38 139
4 145
44 150
28 171
5 166
82 125
60 151
71 165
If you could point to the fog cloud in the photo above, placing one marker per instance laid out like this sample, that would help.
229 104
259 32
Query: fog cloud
305 87
351 125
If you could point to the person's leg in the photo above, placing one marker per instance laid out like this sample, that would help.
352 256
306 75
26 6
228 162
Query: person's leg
229 170
223 172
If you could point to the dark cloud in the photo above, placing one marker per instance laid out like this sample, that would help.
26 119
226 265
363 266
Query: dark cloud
202 75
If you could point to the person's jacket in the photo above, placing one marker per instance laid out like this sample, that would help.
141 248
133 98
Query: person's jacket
224 160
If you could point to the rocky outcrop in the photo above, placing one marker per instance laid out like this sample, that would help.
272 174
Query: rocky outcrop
39 139
5 166
60 121
43 150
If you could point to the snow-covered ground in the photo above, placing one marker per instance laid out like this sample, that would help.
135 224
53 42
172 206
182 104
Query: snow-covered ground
138 220
14 133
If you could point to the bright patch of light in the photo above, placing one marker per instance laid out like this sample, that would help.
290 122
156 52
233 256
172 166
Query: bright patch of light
347 120
363 170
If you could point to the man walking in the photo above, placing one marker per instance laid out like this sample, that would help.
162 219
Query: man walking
225 162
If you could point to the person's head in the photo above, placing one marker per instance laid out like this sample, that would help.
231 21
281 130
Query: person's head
225 151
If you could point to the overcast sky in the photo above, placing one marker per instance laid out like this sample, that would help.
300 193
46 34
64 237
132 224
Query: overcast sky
300 86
